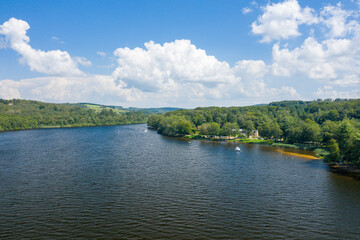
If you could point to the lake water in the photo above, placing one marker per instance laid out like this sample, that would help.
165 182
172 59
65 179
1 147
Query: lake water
122 182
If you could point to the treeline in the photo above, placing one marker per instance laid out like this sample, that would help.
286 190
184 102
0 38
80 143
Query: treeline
24 114
334 125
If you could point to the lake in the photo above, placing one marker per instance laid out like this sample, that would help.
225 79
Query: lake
126 182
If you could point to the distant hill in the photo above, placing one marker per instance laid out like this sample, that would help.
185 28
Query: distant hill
20 114
154 110
120 109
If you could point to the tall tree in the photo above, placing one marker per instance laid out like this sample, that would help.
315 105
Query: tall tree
229 129
214 129
334 155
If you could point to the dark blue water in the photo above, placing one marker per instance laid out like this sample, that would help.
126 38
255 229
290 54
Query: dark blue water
123 182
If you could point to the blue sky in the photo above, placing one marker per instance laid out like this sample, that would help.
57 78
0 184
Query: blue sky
179 53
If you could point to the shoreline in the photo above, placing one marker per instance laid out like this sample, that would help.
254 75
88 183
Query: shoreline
307 156
58 127
278 146
345 170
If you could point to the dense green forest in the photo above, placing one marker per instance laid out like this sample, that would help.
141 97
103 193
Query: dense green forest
334 125
24 114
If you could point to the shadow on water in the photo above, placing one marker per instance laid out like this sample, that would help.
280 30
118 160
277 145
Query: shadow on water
317 164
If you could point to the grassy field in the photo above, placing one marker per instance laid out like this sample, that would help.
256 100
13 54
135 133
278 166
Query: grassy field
98 108
253 140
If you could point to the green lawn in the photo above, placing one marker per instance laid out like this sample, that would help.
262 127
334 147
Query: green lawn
98 108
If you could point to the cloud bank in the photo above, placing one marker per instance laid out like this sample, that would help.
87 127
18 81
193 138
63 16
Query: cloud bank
178 73
157 75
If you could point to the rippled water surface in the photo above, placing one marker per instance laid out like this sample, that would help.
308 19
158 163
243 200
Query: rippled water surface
123 182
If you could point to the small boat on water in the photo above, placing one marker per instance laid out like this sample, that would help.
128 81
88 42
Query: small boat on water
238 149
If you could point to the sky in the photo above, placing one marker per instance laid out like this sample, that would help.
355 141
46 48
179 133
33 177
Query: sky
179 53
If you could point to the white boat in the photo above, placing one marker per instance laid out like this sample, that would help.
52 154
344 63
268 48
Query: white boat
238 149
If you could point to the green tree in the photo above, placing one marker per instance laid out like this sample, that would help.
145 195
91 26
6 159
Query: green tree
249 127
286 121
214 129
276 131
334 150
293 134
204 128
229 129
231 118
310 131
344 135
265 130
183 126
328 130
333 115
154 121
354 153
198 119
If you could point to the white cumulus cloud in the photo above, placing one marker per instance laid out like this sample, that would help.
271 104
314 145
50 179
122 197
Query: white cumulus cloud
347 80
338 20
53 62
165 66
329 55
246 10
9 89
281 20
101 54
83 61
184 71
329 59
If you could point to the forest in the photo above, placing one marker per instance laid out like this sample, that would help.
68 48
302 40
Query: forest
19 114
331 124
